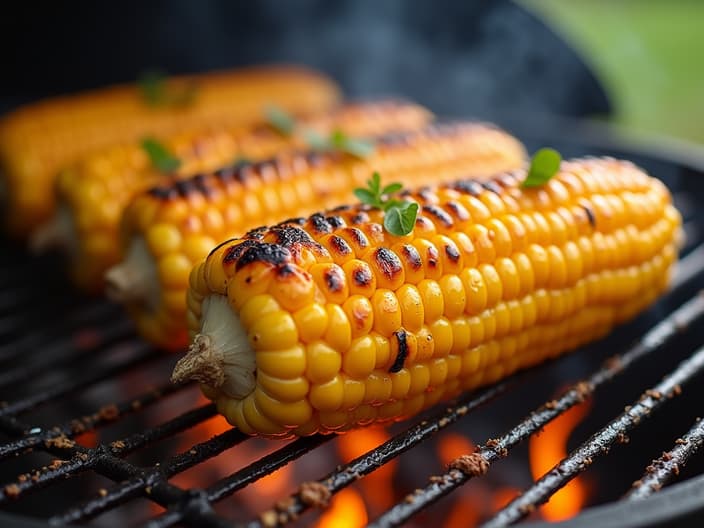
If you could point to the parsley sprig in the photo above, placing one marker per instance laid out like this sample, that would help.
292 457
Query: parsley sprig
156 91
160 156
400 215
341 142
280 120
543 166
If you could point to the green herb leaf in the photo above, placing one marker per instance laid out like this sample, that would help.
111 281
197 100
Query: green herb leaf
399 220
280 120
359 148
315 140
367 197
375 183
159 155
156 92
153 87
543 166
392 188
241 162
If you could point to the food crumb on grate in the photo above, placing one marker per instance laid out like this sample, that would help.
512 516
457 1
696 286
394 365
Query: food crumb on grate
473 465
56 464
102 492
61 441
12 491
117 444
314 494
109 412
269 519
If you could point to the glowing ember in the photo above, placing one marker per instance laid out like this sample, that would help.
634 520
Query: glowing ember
346 510
378 486
546 450
453 445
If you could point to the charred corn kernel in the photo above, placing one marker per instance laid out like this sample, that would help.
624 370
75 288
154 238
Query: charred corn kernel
431 338
355 262
39 139
98 187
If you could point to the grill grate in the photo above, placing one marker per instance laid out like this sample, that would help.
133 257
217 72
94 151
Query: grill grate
41 367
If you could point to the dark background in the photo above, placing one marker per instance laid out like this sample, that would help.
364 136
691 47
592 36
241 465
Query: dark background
471 58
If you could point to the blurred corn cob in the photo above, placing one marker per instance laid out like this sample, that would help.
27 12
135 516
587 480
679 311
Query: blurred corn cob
93 194
38 139
170 228
333 323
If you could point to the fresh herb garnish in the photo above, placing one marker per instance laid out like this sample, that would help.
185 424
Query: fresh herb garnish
543 166
156 92
280 120
339 141
400 216
160 156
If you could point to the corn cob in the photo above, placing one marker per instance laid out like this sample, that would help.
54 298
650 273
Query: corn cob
170 228
38 139
331 322
93 194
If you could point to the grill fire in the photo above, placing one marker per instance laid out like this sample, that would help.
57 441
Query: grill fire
93 431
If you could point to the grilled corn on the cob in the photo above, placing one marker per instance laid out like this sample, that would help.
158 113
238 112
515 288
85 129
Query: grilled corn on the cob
38 139
170 228
331 322
93 194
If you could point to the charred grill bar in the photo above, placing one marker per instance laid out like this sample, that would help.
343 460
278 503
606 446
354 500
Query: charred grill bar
92 333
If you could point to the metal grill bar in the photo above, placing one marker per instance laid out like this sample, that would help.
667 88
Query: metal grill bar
64 353
654 340
599 443
140 352
151 478
662 470
289 510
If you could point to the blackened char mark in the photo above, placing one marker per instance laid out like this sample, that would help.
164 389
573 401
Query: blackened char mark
262 252
320 224
290 235
493 186
257 233
362 276
402 351
163 193
334 279
340 246
452 253
388 262
439 214
298 221
458 210
590 215
336 222
412 257
471 187
360 218
230 241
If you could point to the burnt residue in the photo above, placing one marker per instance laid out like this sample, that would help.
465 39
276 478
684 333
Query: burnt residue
471 187
388 262
285 270
401 338
257 233
590 215
334 279
411 256
433 257
288 235
341 208
230 241
426 193
439 214
362 276
299 220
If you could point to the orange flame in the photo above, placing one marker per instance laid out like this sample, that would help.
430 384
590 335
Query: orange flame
346 510
378 485
546 450
453 445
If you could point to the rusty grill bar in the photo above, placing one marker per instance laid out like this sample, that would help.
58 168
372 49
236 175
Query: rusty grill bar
52 351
